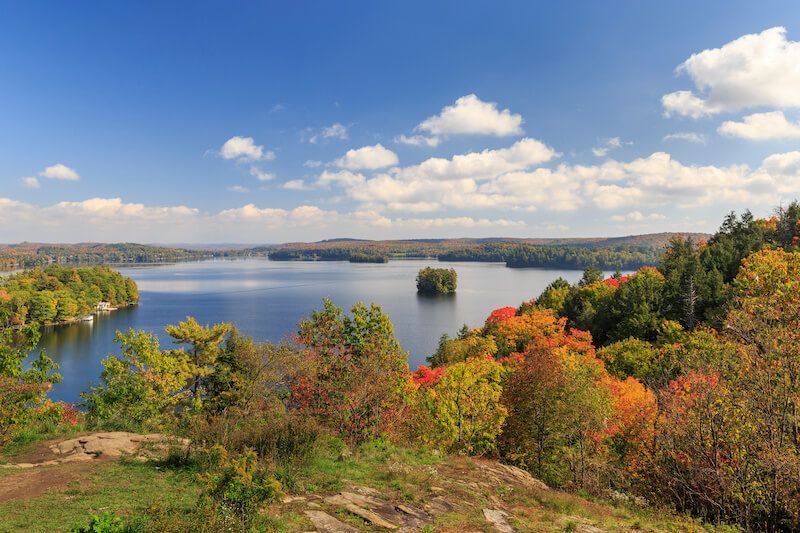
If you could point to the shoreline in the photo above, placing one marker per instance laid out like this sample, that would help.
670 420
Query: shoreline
78 320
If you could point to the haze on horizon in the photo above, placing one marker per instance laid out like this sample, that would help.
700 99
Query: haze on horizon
200 122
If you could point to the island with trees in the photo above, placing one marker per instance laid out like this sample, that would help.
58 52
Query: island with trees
437 281
60 294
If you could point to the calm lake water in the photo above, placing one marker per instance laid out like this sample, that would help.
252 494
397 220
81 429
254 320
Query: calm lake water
265 299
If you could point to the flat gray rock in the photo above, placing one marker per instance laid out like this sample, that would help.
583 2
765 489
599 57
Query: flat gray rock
328 524
498 519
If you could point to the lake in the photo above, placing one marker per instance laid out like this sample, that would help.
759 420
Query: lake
265 299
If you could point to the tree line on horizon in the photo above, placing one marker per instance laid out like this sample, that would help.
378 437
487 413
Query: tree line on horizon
30 255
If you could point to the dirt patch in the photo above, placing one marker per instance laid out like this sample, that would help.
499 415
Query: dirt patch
34 482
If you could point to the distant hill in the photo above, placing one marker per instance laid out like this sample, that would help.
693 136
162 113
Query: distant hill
650 240
625 252
628 252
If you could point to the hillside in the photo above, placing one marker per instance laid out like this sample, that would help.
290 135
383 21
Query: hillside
373 487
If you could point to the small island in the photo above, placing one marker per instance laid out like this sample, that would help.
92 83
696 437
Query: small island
436 281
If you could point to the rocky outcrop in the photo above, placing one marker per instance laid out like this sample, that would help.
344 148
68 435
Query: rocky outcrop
328 524
367 504
499 473
111 444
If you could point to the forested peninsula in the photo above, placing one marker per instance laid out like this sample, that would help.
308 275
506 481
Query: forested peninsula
29 255
58 294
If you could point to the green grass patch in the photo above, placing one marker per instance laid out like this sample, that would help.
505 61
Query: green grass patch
121 487
26 439
378 464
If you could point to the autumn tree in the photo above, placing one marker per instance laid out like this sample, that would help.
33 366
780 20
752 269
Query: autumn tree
700 460
766 320
461 406
22 388
142 388
356 370
554 296
558 403
469 343
515 333
629 358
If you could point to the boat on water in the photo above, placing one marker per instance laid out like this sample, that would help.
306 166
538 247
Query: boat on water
87 318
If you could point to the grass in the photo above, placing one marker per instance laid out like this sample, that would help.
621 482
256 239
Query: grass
122 487
378 464
26 438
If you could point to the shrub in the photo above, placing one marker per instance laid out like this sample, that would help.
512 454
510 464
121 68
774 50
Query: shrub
103 523
237 486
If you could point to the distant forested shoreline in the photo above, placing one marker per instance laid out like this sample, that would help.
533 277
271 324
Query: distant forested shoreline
621 253
30 255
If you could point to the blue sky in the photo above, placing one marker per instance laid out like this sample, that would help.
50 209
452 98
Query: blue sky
530 118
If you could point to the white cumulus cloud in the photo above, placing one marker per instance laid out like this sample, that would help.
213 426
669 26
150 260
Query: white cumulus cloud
245 149
761 127
755 70
60 172
296 185
367 157
606 146
471 115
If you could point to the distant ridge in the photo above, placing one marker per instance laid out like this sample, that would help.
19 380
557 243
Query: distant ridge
612 253
650 240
